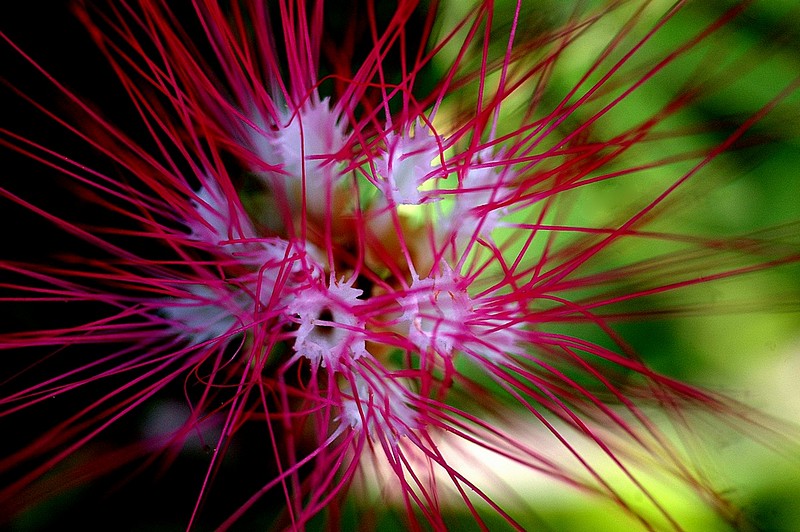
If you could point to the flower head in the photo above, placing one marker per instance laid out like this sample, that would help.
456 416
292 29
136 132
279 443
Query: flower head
368 259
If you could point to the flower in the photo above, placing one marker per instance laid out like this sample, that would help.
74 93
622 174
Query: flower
367 263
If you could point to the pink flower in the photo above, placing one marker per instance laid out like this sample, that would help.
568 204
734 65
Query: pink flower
340 275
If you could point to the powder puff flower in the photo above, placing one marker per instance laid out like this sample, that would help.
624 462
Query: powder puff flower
334 263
